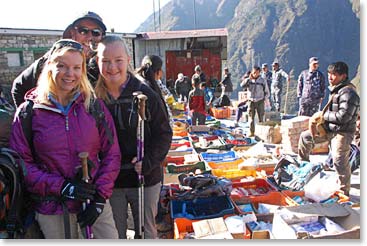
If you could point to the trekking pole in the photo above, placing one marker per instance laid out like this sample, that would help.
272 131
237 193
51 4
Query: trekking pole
141 98
84 158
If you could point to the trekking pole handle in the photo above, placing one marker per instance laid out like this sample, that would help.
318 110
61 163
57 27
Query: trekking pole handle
84 158
85 177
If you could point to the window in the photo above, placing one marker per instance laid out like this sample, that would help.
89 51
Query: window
15 59
38 54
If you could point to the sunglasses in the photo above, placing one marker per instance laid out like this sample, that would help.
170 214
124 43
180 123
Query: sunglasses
85 30
62 43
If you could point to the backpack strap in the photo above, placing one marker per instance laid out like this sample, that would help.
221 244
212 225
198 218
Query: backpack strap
96 111
26 115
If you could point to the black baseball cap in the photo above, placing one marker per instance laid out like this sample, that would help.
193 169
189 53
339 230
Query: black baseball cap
93 16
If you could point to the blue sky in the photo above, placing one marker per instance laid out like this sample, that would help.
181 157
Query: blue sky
123 15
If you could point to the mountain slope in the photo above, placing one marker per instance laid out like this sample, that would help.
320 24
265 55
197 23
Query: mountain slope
266 30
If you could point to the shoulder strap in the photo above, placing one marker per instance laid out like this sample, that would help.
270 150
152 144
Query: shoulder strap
26 115
95 109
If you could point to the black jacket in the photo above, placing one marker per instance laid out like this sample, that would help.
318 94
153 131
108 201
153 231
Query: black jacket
157 134
341 116
28 78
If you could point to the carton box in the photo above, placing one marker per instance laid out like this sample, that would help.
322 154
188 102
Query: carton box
242 96
344 216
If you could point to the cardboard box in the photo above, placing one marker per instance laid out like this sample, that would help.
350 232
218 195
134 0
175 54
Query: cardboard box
270 134
242 96
344 216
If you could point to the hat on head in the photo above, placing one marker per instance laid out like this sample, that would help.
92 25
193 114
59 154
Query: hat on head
275 63
67 32
264 65
93 16
197 68
180 76
313 60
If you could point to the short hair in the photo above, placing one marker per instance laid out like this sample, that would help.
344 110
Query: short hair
197 68
226 69
196 80
203 84
338 67
257 68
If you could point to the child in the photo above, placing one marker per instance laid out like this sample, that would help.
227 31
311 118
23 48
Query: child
209 96
197 102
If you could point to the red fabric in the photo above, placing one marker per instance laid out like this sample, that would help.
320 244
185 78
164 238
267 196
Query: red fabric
197 104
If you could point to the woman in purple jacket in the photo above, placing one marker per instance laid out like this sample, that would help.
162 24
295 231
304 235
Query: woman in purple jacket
63 127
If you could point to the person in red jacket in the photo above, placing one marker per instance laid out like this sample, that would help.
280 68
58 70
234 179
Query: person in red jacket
197 102
62 128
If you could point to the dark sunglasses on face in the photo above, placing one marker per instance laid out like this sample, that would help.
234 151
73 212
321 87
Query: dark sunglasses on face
85 30
62 43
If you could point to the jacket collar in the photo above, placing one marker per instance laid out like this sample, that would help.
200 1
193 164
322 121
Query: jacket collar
336 88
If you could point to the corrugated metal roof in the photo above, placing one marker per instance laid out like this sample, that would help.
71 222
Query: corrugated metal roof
184 34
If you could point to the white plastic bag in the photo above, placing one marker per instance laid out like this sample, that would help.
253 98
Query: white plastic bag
322 186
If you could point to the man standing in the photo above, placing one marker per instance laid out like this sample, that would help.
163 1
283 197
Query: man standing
182 88
338 123
88 29
266 74
199 72
278 78
258 93
226 83
311 88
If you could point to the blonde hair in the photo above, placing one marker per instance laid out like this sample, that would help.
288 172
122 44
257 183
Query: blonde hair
101 88
47 85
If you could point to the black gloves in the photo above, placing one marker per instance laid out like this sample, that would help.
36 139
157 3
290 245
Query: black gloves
91 213
78 190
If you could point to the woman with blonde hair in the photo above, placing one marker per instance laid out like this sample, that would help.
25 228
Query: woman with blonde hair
62 128
116 86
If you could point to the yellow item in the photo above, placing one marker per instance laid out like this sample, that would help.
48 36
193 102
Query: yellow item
170 100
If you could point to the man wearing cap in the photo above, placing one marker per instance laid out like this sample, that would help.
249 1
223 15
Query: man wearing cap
266 74
278 78
182 87
311 88
87 29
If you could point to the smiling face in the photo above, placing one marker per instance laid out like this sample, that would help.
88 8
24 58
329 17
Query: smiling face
113 63
66 71
85 32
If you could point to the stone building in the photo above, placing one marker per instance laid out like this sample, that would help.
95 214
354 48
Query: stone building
20 47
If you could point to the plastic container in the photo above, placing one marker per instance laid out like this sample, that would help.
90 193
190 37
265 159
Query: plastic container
221 113
258 187
226 165
273 198
182 226
185 168
233 173
219 157
202 208
338 196
178 160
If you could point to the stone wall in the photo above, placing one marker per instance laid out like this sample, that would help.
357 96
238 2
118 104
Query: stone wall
30 47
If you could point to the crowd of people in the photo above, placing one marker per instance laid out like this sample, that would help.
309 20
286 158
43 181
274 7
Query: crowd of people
88 67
